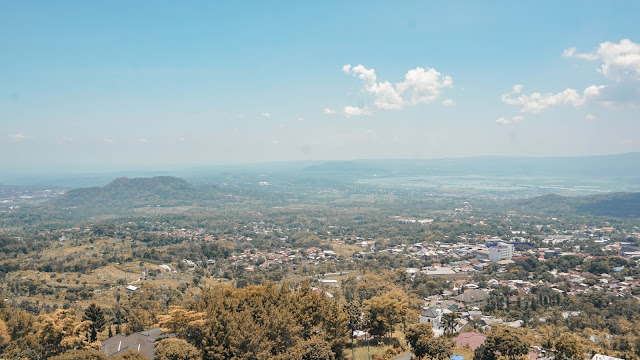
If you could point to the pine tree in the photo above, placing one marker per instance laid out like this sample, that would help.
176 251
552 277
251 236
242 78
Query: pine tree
95 315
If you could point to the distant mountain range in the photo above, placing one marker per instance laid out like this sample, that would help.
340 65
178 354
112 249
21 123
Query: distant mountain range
166 191
593 166
612 204
603 166
128 193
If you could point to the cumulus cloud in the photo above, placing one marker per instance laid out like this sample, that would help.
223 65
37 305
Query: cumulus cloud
350 111
17 137
590 117
448 102
420 86
537 102
328 111
619 64
266 114
620 61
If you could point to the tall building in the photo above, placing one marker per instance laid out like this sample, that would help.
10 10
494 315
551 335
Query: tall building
501 251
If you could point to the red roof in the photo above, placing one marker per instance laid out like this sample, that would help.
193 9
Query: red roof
469 338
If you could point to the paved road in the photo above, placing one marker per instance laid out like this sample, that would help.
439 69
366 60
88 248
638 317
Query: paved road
406 356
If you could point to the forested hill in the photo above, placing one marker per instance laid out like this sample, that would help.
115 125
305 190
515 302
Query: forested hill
612 204
136 192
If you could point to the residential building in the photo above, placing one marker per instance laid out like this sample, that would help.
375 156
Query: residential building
473 297
433 316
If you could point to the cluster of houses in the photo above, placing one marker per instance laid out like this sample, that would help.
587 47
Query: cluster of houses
252 258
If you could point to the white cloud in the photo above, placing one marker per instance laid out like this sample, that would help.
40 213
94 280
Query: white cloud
448 102
109 141
514 119
368 75
571 53
537 102
300 118
620 61
420 86
266 114
328 111
423 85
350 111
142 140
275 142
590 117
386 96
17 137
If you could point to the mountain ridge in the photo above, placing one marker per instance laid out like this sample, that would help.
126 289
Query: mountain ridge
618 204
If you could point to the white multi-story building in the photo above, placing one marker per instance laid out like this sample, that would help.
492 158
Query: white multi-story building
501 251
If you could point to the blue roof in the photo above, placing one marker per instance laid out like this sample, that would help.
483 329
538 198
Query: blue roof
457 357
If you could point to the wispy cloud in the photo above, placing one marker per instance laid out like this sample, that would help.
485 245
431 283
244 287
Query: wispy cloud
571 53
506 121
537 102
328 111
266 114
17 137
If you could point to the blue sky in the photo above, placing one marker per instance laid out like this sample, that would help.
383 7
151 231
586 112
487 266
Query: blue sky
152 84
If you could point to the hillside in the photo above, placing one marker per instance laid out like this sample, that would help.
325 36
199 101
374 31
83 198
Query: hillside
137 192
612 204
